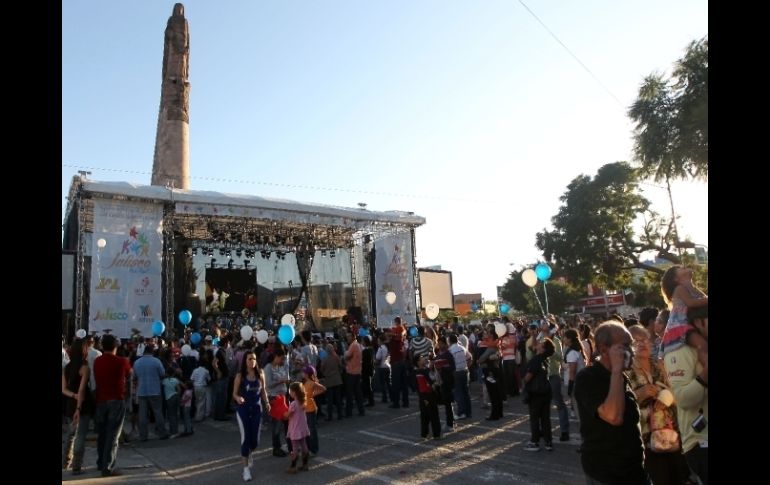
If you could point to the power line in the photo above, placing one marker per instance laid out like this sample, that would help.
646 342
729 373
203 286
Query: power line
292 186
572 54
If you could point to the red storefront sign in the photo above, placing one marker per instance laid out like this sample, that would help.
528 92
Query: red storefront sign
598 301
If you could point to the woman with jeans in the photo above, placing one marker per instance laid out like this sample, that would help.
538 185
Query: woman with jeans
80 406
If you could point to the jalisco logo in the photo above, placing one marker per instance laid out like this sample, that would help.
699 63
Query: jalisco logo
143 289
136 250
145 313
110 314
108 284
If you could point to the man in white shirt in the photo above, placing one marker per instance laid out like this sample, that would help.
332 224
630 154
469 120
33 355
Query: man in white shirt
462 389
92 355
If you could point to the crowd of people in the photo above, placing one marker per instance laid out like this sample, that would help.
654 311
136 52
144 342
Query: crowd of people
641 395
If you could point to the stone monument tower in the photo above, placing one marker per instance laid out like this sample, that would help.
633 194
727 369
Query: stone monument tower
171 163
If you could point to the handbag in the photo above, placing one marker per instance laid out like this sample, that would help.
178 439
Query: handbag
663 436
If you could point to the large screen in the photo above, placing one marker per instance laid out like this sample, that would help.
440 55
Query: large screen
236 283
67 281
436 287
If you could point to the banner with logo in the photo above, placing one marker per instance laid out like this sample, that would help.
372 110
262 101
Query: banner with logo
126 263
394 273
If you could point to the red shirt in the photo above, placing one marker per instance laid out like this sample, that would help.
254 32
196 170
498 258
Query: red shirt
110 372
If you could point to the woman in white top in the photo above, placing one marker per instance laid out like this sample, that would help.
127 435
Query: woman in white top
575 361
382 361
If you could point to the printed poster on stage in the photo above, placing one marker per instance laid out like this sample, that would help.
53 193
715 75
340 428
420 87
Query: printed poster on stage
126 271
394 272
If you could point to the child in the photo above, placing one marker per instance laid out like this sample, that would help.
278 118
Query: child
201 378
428 399
186 403
680 294
298 429
312 388
171 393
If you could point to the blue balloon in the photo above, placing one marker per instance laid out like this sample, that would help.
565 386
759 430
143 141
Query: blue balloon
185 317
504 308
158 328
363 332
195 338
543 271
286 334
413 331
322 354
474 307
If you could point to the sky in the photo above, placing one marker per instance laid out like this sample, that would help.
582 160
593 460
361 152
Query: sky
470 113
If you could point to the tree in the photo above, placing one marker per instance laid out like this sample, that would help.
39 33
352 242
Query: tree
671 116
593 240
560 295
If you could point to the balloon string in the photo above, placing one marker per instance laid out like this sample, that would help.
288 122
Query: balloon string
538 301
545 290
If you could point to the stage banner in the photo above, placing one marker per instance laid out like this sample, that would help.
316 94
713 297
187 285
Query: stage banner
126 269
394 272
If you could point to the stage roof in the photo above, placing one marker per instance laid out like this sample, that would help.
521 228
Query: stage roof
241 205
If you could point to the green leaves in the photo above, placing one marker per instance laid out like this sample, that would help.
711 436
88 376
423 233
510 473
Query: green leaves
671 116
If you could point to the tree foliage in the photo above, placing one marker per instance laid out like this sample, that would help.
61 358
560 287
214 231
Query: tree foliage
671 116
561 295
594 241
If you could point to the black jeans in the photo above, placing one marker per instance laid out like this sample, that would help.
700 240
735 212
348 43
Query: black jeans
383 377
400 386
666 468
495 391
698 459
109 423
429 414
511 387
353 390
540 417
366 388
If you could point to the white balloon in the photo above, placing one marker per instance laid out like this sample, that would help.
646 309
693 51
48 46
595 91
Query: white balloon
261 336
529 277
186 349
288 319
101 242
81 333
432 310
500 329
390 297
247 332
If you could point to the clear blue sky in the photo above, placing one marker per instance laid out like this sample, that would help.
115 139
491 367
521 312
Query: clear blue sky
468 109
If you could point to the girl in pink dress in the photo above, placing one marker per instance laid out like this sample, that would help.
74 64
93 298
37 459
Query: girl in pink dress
298 429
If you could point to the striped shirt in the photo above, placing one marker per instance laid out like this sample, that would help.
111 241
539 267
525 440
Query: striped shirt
421 346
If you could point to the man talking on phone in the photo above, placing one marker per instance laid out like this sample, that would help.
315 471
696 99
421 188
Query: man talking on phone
612 450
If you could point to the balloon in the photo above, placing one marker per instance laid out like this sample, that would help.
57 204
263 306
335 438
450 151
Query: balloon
247 332
500 329
413 331
186 349
474 307
215 341
286 334
363 332
81 333
185 317
432 310
543 271
262 336
390 297
529 277
288 319
322 354
195 338
504 308
158 327
101 242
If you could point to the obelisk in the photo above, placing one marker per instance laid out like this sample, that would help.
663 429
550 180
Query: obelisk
171 163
